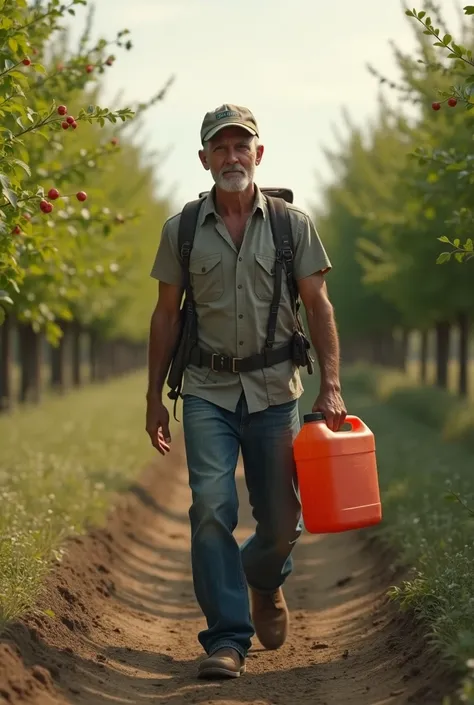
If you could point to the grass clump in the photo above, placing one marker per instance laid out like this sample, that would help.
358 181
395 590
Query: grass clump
450 415
427 494
60 465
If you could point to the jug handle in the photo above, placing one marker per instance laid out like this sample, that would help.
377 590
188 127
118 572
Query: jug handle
356 423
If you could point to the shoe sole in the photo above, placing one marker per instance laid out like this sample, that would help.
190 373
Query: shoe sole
209 673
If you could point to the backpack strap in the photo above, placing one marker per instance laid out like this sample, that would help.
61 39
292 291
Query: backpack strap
186 231
283 239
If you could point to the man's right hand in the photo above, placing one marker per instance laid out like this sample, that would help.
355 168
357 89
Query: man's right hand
157 424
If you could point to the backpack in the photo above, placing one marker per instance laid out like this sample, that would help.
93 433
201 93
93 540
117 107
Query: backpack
297 349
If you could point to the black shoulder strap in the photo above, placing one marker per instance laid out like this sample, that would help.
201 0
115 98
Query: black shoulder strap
186 231
283 239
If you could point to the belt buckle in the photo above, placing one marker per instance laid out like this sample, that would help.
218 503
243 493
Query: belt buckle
221 360
234 360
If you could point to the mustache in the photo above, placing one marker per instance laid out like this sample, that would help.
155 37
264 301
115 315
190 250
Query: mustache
234 170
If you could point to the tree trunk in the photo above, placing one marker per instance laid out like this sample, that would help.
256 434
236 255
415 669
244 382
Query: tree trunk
5 364
403 350
424 356
442 353
30 361
109 359
93 356
463 382
58 362
382 348
76 331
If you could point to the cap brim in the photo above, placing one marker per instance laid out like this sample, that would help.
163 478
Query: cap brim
209 135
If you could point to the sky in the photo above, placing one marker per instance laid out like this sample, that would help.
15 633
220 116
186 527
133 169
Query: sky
297 64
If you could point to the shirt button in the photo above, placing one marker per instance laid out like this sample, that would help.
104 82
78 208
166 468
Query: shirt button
241 315
241 342
240 259
239 286
203 269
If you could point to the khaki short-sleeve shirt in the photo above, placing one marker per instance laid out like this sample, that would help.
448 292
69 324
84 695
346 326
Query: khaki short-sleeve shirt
233 289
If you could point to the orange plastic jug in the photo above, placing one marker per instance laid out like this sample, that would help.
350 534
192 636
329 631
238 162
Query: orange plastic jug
337 476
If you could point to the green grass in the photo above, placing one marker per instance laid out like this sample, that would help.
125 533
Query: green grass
413 370
60 467
417 470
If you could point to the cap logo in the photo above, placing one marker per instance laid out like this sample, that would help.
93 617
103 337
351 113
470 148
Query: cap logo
226 113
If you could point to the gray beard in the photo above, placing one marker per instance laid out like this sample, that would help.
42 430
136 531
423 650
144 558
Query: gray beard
235 183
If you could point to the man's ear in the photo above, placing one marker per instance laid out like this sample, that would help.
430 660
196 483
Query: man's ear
260 151
203 158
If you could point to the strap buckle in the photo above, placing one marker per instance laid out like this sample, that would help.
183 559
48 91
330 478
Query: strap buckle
185 250
234 360
221 358
219 363
287 254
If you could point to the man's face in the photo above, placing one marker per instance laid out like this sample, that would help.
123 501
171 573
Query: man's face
231 156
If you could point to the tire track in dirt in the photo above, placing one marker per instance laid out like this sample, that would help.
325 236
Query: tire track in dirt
127 621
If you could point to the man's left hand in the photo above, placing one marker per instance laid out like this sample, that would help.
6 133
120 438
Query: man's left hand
330 403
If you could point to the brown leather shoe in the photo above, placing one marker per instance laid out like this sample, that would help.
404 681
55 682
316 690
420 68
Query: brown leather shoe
270 617
224 663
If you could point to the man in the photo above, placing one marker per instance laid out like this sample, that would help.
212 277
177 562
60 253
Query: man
255 412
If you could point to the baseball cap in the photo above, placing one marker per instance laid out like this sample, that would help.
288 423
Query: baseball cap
227 115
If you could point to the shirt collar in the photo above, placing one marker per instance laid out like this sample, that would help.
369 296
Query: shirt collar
209 206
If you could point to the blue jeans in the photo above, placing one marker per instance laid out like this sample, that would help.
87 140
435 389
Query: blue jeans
221 569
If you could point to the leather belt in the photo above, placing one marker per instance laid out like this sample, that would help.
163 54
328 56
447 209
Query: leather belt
225 363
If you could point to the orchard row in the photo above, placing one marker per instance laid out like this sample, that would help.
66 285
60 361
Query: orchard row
68 250
396 196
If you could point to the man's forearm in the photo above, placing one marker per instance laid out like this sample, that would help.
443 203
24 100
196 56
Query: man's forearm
164 332
325 339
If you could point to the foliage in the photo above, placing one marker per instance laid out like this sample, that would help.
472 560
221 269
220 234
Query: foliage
64 255
399 183
453 162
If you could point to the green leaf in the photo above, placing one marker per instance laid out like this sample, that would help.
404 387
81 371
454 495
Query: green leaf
469 10
443 257
421 14
447 38
23 165
10 196
459 256
5 298
458 166
469 245
444 238
456 242
13 44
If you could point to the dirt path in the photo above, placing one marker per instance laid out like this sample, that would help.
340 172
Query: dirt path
126 621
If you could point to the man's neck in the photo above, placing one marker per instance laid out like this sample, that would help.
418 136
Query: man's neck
235 204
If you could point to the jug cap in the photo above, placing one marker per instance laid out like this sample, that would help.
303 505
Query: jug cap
315 416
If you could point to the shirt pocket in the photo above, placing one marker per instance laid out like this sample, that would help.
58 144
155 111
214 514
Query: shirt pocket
206 278
264 280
